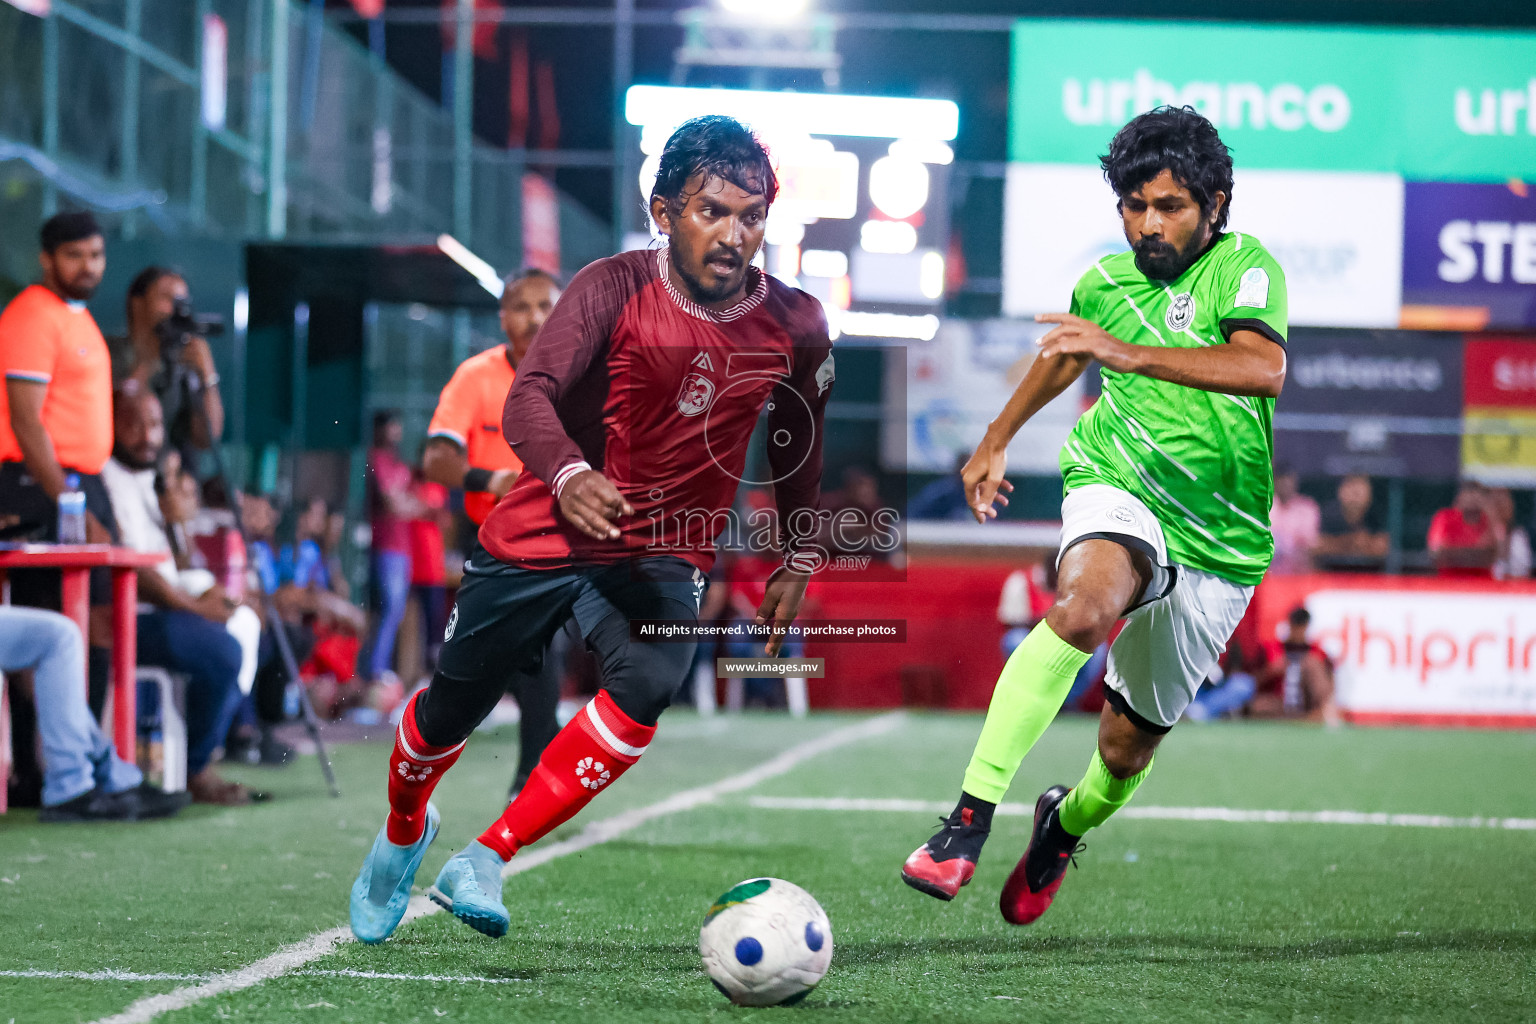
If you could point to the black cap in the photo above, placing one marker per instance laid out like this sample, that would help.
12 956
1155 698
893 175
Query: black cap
63 228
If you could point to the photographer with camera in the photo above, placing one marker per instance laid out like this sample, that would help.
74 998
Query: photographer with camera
166 351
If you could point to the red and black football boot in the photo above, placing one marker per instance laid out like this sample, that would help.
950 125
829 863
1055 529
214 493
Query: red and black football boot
947 861
1032 886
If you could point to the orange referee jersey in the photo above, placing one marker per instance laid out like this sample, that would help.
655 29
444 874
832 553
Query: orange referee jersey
48 341
469 414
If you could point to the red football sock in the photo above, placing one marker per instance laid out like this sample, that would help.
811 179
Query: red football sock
593 750
414 768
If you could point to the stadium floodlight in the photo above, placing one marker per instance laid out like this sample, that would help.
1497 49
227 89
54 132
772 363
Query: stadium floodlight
898 186
478 269
665 107
766 10
888 325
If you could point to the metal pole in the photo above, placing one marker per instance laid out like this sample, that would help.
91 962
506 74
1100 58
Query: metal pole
50 108
277 125
623 72
198 199
128 139
463 120
1395 494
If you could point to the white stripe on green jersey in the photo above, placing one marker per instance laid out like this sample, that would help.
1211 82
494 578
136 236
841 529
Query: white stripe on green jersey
1201 461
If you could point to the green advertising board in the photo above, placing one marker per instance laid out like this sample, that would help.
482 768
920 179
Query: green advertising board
1441 105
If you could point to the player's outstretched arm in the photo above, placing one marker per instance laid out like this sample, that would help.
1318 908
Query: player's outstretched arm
1248 364
1048 376
781 603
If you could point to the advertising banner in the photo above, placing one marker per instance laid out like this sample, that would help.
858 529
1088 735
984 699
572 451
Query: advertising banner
1384 403
956 384
1337 236
1429 104
1420 651
1471 249
1499 446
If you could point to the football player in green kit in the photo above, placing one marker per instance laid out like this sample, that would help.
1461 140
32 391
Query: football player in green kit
1168 483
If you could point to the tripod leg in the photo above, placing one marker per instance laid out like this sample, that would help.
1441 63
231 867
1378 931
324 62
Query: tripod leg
306 709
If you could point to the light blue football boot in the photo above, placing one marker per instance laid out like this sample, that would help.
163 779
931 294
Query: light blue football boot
469 886
383 886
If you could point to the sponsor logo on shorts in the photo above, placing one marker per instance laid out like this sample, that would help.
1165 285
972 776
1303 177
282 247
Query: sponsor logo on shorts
1123 514
592 773
453 623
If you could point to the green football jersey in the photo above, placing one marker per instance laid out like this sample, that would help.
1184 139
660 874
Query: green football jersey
1201 461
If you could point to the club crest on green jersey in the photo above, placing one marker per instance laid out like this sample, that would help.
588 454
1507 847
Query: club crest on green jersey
1181 312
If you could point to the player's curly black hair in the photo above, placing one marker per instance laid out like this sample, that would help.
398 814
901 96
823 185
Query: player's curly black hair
1177 139
713 145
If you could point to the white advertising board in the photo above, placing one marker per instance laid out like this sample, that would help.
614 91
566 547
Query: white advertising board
1428 653
1338 236
959 381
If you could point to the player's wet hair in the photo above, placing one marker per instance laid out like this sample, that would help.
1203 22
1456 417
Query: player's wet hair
715 146
1176 139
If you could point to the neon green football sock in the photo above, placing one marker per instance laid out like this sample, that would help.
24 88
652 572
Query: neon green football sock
1027 697
1099 795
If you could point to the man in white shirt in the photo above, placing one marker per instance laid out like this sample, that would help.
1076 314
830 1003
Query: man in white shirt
177 631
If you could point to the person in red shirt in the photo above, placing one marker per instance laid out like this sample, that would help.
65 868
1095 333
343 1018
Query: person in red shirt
632 415
429 576
1295 679
391 506
1464 540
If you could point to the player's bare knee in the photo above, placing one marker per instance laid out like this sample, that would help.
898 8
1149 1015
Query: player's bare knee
1082 621
1124 756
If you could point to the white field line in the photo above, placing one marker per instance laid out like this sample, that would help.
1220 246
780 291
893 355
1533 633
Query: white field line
292 958
1227 814
111 975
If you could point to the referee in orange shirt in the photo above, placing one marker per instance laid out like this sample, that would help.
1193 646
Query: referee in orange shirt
465 449
56 417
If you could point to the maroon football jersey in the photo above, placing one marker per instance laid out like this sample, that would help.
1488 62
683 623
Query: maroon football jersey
631 378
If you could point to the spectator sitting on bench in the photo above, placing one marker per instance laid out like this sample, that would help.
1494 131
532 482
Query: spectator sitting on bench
177 632
83 780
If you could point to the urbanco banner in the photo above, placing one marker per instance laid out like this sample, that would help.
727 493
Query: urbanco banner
1338 237
1437 105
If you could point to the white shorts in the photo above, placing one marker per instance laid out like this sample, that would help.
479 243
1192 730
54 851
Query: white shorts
1177 627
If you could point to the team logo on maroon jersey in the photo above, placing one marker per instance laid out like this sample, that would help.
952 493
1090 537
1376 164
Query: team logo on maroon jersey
698 391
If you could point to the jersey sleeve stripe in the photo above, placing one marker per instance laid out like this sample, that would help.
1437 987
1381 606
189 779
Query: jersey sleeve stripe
34 377
1247 323
565 475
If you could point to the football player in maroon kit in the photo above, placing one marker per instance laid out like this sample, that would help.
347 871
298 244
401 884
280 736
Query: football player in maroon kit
632 414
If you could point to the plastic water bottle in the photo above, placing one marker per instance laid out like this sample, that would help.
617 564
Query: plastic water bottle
72 512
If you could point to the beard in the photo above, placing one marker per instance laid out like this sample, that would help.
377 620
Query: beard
706 293
80 289
1162 261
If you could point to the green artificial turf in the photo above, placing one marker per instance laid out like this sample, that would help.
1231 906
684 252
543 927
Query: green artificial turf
1164 920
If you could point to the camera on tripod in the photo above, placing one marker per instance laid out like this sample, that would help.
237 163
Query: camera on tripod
184 324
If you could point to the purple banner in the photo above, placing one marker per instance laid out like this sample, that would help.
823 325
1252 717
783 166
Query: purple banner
1471 246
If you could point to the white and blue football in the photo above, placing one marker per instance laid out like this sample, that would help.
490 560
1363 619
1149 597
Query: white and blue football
766 942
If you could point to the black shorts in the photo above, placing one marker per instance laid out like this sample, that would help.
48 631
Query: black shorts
20 495
505 617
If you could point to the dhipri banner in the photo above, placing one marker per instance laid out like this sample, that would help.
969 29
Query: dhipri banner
1385 403
1471 249
1437 105
1337 236
1415 650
